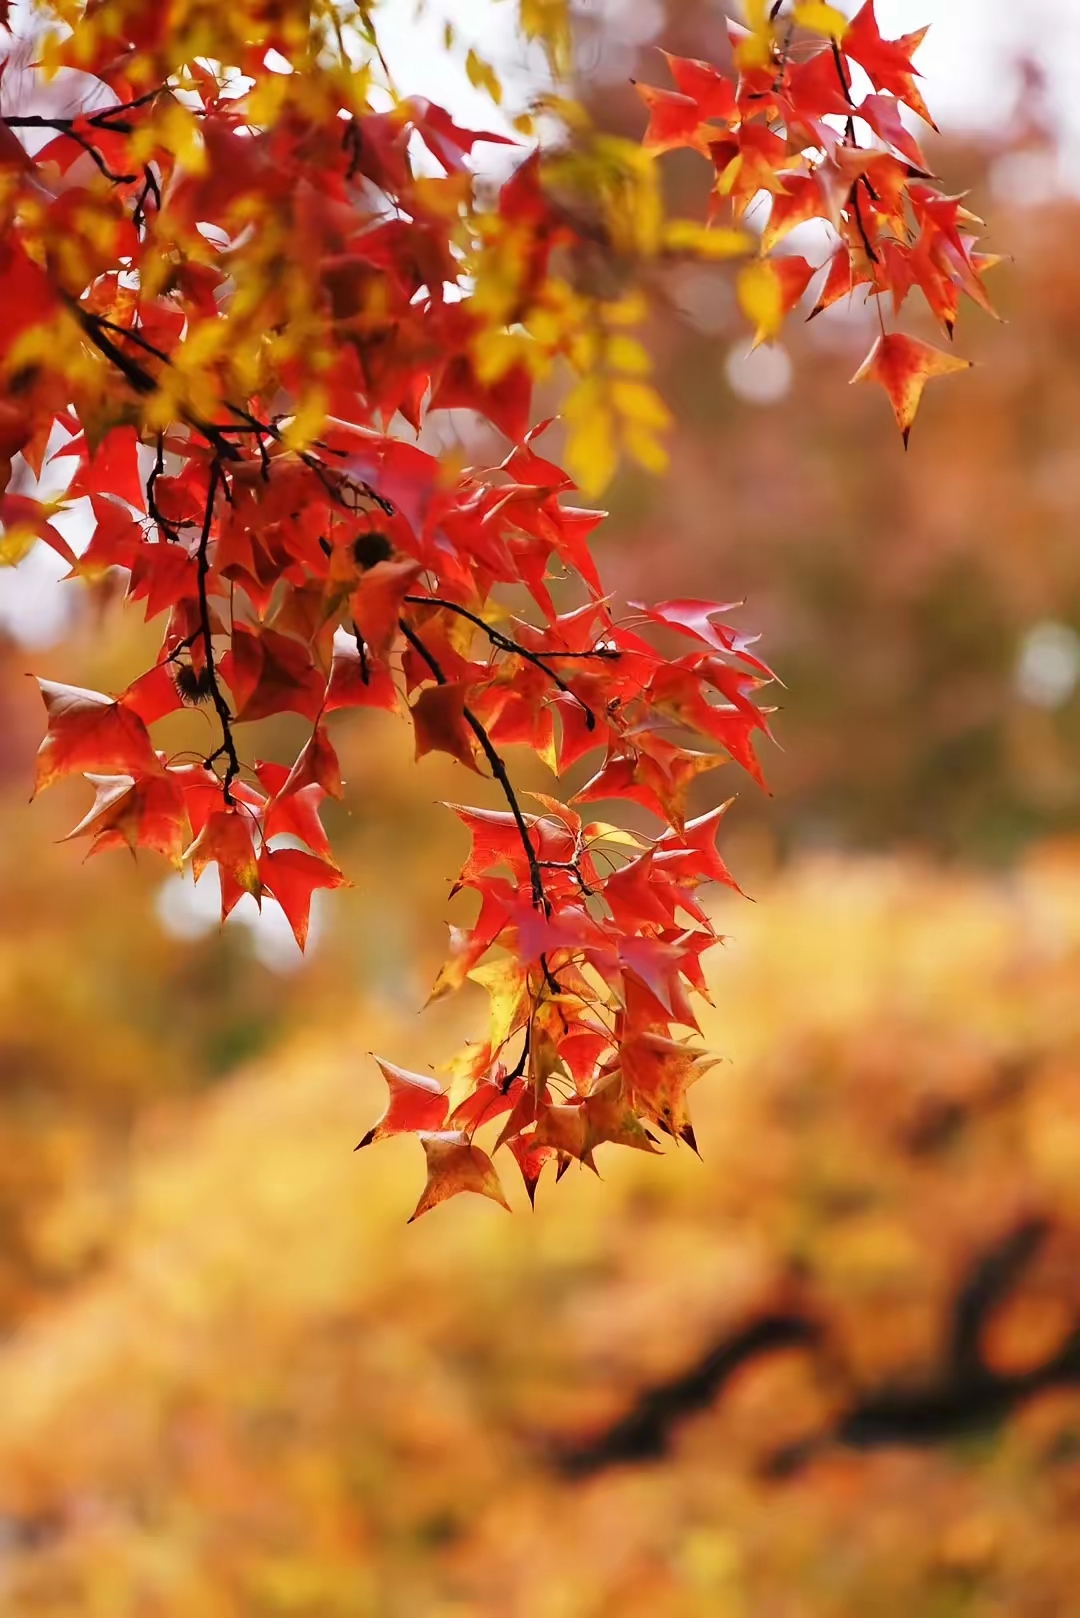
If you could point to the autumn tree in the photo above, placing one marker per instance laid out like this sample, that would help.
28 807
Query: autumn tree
241 271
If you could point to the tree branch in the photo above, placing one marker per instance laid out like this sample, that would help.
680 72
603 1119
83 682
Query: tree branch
646 1431
97 328
224 714
498 770
505 643
850 139
966 1395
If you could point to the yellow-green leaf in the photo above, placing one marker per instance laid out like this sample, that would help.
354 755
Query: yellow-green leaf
687 236
483 76
821 18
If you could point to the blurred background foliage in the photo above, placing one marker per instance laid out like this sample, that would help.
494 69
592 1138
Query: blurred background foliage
832 1370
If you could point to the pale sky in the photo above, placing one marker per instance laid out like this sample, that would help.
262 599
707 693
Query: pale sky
973 45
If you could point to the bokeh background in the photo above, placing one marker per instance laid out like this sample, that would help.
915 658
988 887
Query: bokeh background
832 1370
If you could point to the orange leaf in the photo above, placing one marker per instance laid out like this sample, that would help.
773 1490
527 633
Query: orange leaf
291 875
359 682
714 94
565 1130
882 113
317 765
148 813
154 694
90 733
375 604
454 1165
505 402
904 365
610 1117
416 1104
293 812
114 469
227 839
658 1071
886 61
674 120
270 673
23 518
800 201
440 723
530 1159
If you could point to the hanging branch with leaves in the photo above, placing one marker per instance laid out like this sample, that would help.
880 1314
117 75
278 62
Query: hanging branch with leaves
227 293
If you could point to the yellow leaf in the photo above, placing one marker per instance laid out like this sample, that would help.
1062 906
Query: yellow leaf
495 352
175 128
603 831
483 76
646 450
627 354
725 182
266 99
16 542
504 981
755 49
549 22
769 290
204 342
761 300
590 453
640 403
629 310
687 236
590 447
309 418
821 18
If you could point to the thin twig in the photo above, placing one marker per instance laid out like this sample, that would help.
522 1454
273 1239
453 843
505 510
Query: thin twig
518 1069
97 327
228 745
505 643
151 188
841 73
498 770
152 507
870 253
361 650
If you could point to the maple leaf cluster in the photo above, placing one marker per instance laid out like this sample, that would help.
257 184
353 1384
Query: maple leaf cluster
792 126
229 294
